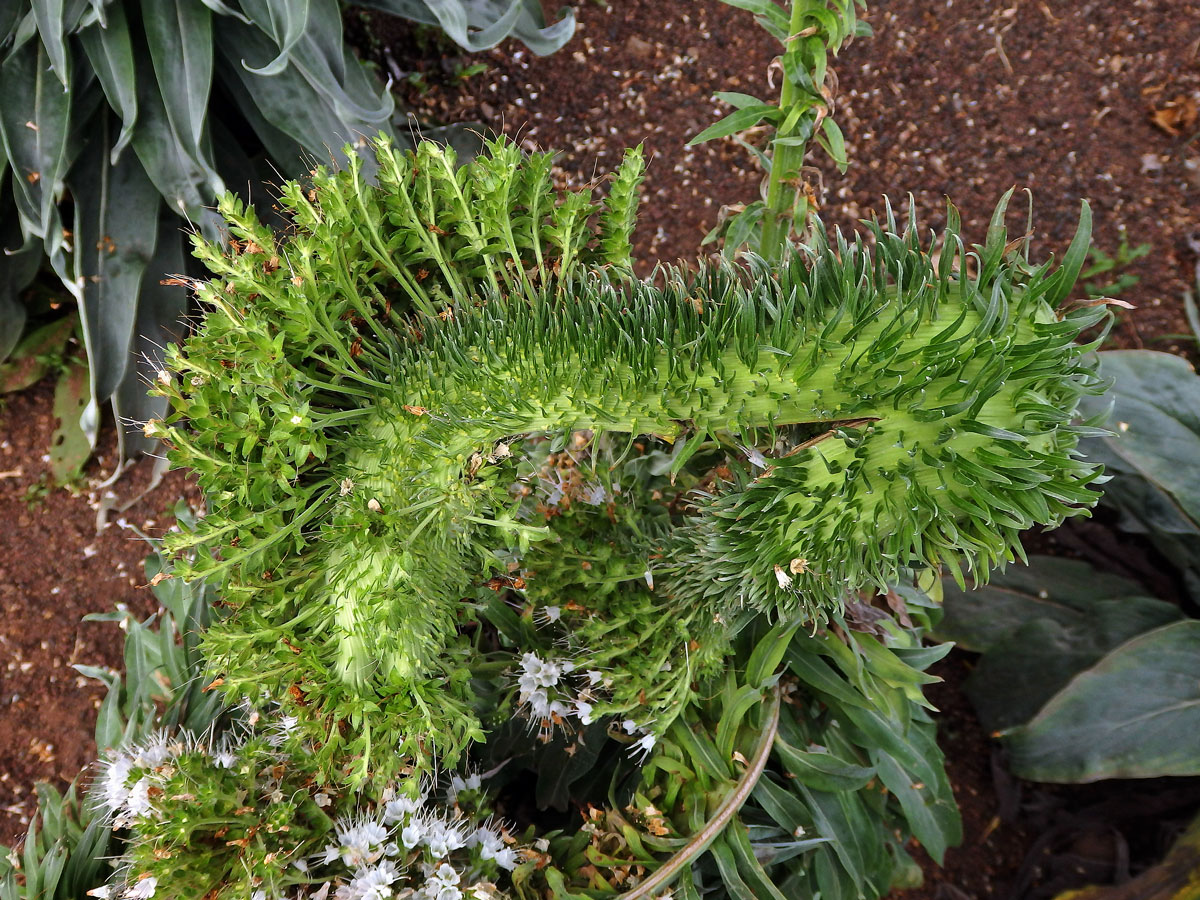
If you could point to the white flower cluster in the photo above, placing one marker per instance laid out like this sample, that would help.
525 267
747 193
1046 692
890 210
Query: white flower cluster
548 697
128 778
551 702
451 850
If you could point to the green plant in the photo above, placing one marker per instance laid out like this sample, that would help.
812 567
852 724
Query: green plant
1085 677
142 113
809 31
1098 278
487 509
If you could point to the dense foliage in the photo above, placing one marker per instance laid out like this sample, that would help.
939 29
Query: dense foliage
122 122
464 470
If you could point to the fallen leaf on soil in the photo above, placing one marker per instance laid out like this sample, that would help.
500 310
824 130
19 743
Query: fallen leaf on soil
1177 116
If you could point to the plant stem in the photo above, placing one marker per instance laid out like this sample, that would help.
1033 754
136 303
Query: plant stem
777 214
725 813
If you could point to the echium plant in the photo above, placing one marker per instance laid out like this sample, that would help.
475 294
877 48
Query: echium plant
481 501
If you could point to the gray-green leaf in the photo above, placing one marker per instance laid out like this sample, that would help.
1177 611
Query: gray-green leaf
1135 714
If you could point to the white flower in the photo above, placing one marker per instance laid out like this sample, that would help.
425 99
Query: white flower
541 673
472 782
360 841
552 613
138 801
784 579
373 883
442 885
399 809
282 729
143 890
103 893
225 759
412 834
595 495
644 745
443 839
506 858
259 895
152 755
114 783
583 709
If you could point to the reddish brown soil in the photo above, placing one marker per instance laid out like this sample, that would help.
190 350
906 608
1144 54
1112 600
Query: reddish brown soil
960 97
54 569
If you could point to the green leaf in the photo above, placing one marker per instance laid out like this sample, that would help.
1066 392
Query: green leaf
305 100
180 36
1155 418
288 21
834 143
35 127
481 24
738 100
822 770
31 358
1051 638
181 171
160 320
1059 590
69 445
49 17
1135 714
116 223
738 120
110 51
934 822
1074 259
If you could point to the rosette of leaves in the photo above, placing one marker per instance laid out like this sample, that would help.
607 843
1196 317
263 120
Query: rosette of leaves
142 113
362 403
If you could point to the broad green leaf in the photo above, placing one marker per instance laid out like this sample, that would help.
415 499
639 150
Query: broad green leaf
31 358
110 51
1060 590
161 309
185 178
1135 714
116 223
480 24
49 17
18 267
1155 421
180 36
304 101
286 24
738 120
35 125
1021 672
70 446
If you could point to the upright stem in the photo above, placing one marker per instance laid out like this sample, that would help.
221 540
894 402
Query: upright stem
778 213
